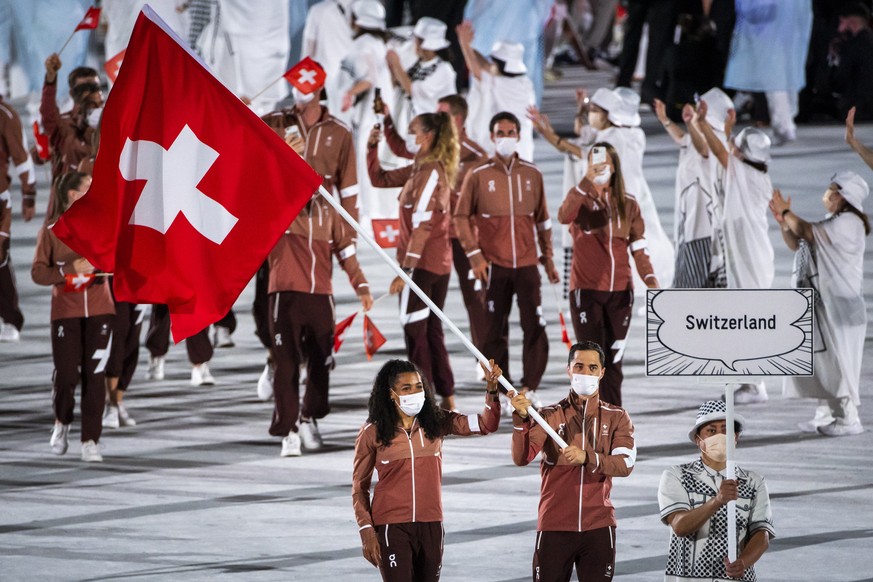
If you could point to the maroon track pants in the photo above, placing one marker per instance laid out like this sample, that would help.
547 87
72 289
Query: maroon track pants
592 552
411 552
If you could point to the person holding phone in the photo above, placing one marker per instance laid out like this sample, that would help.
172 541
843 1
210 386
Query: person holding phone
606 226
401 524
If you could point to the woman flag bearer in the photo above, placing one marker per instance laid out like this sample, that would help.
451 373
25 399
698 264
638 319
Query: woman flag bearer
82 315
424 251
829 258
401 526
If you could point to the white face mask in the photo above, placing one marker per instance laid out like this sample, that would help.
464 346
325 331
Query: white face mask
94 116
411 146
597 119
411 404
505 146
301 98
603 177
584 385
715 447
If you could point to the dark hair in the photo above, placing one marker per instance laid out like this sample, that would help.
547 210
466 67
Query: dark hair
504 116
380 34
586 347
63 185
457 105
82 91
445 148
501 66
737 428
859 9
383 412
616 181
80 73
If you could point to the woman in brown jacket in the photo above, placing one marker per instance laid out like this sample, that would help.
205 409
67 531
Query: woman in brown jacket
82 314
401 528
424 250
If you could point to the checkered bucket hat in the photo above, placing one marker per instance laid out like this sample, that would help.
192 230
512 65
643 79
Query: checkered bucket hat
713 410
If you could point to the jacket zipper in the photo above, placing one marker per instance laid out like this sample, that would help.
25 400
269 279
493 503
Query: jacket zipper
511 215
582 468
412 461
312 254
86 302
609 244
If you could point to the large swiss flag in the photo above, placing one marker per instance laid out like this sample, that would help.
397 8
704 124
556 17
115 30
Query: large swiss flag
191 189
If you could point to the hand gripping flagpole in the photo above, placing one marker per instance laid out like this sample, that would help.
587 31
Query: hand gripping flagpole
510 390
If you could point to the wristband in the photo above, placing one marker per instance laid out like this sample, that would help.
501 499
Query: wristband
786 211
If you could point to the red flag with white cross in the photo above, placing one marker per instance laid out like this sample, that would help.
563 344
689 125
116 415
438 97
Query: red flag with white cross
90 20
113 65
190 191
340 330
77 282
307 76
386 231
373 338
42 142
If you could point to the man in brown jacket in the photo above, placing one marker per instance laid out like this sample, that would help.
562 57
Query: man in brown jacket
14 148
500 218
576 524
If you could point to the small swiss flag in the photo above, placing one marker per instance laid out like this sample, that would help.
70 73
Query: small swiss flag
565 337
91 19
340 331
307 76
113 65
78 282
42 142
373 338
386 231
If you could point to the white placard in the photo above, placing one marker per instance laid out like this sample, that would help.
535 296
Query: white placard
729 332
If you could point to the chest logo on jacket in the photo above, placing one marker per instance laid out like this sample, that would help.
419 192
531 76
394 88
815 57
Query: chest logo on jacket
491 186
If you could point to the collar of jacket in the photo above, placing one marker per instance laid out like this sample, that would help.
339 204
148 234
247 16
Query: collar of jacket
697 469
506 168
591 408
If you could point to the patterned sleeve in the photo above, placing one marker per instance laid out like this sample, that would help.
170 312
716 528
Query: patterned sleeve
760 516
672 496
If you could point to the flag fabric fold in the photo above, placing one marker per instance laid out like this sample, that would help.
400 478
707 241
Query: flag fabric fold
191 190
386 231
373 338
42 142
340 331
90 20
113 65
565 336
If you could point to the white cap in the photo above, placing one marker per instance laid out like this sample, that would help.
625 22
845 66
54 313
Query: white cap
852 187
717 106
608 101
369 14
755 145
511 53
432 33
710 411
629 111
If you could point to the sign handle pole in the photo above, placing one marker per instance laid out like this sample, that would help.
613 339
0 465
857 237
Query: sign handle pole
509 388
731 472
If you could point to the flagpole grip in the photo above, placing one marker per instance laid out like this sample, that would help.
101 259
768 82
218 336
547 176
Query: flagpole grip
510 389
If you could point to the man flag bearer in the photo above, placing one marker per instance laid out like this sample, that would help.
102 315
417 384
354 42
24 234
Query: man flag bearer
170 210
576 524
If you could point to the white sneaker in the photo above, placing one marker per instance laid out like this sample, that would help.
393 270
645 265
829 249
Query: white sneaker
124 416
91 452
751 394
290 445
309 435
221 337
838 429
265 382
60 440
9 334
822 417
200 375
156 368
110 417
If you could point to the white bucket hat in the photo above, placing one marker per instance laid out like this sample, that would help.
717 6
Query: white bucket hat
852 187
717 106
369 14
755 145
713 410
432 33
630 106
608 101
511 53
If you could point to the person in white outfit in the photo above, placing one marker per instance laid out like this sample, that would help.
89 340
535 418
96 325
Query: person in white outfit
829 257
498 84
327 39
431 77
747 191
364 70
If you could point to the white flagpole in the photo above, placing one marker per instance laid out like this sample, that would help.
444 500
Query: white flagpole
510 390
730 472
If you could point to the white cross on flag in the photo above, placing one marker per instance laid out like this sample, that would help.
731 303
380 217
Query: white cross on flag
78 282
90 20
191 189
386 231
307 76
